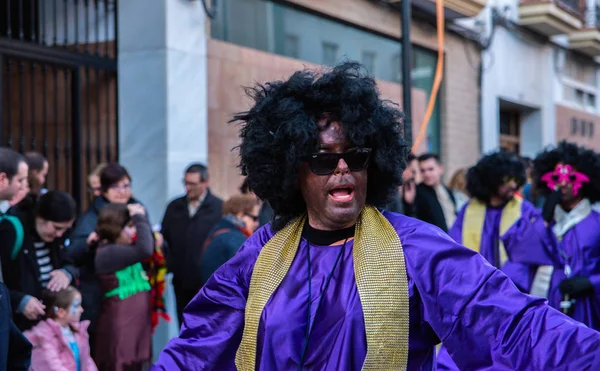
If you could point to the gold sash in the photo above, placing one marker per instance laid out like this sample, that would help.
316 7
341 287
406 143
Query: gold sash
475 217
381 279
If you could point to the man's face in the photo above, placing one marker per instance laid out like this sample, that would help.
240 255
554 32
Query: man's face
194 186
42 174
10 187
95 186
333 201
507 190
431 172
49 230
566 189
410 173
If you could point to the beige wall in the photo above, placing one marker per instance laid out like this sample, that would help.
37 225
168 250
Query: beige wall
564 115
230 67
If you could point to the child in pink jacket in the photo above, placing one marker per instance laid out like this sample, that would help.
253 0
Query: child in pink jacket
61 342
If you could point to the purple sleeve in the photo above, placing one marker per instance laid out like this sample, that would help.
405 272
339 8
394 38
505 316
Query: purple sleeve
444 362
484 322
529 240
456 231
214 319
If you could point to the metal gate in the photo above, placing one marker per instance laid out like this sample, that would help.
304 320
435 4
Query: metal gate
58 85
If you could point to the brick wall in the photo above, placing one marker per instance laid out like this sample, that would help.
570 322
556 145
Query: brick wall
564 121
230 67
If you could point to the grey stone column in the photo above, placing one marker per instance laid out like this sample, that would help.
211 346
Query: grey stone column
162 96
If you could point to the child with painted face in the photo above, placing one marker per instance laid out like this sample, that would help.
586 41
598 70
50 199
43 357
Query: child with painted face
61 341
123 335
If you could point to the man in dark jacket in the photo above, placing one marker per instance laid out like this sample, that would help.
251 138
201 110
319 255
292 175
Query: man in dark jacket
435 203
15 349
185 227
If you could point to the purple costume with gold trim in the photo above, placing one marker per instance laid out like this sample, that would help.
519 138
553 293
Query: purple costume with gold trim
455 296
523 244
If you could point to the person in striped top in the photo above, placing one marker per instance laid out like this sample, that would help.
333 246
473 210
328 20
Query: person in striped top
39 261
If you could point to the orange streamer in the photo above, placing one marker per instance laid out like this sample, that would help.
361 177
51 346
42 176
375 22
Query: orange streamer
439 73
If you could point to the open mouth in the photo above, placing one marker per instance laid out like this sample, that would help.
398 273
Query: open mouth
342 194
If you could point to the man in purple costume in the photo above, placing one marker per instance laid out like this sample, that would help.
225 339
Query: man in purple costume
570 176
324 147
492 184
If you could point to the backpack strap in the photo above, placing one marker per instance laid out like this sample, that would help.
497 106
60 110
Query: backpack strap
217 233
19 234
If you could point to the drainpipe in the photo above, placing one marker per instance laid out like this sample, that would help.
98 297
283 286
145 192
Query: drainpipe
406 66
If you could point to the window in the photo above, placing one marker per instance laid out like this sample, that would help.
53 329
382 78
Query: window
368 60
590 101
276 28
591 130
583 127
291 47
579 83
330 53
396 67
574 126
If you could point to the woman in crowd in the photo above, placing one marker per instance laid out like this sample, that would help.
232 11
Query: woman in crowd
240 220
34 259
115 185
458 186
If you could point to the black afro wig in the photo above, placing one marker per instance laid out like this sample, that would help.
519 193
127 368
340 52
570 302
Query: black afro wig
281 129
583 160
491 171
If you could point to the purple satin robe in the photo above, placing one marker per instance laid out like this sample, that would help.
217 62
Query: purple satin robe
581 244
455 295
518 242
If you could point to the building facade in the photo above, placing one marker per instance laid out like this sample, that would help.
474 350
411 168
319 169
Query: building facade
540 76
257 40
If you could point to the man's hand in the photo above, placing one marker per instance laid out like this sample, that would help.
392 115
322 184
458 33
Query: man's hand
59 280
576 287
550 204
33 309
409 192
92 238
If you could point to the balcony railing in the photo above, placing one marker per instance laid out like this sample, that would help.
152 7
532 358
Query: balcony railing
587 40
552 17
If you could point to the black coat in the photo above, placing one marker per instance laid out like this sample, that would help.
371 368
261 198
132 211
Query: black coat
428 206
15 349
22 274
185 237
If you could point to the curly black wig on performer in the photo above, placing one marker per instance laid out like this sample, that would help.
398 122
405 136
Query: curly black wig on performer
582 159
281 129
491 171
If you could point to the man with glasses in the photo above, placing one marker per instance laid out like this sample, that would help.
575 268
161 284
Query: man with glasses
185 227
335 284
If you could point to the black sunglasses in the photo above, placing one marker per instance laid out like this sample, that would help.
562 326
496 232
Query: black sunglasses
556 178
325 163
